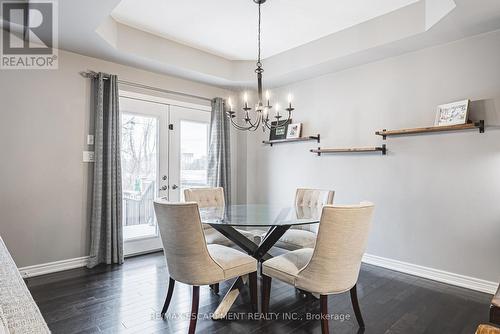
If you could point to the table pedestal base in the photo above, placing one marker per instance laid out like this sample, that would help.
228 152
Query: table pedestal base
259 252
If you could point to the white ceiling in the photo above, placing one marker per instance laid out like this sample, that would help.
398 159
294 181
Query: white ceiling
228 28
86 27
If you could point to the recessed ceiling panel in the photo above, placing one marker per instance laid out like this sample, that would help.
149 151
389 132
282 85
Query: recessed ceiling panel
229 27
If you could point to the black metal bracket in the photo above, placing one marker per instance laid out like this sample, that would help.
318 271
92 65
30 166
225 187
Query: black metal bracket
384 149
480 125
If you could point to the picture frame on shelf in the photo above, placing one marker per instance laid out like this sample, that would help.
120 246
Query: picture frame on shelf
294 131
279 132
454 113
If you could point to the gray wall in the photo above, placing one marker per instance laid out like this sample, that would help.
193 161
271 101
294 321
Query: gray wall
44 185
437 196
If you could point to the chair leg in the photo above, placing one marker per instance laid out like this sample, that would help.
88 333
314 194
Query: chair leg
355 306
194 309
171 284
253 291
323 299
266 293
215 288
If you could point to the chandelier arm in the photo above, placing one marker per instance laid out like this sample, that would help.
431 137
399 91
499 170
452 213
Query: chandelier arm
257 121
239 127
251 127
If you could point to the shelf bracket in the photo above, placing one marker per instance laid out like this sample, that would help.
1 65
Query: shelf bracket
480 125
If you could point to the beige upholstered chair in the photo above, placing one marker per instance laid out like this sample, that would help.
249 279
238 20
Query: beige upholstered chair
209 197
304 236
191 261
214 197
487 329
332 267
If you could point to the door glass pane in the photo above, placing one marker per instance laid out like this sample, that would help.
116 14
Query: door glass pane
194 152
139 157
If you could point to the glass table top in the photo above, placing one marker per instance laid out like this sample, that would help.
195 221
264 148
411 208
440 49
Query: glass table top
256 215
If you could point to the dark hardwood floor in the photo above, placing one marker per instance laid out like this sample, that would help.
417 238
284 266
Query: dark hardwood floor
128 299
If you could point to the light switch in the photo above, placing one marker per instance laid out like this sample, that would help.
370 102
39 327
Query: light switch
90 140
88 156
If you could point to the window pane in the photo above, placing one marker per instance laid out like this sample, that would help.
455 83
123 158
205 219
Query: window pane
139 150
194 152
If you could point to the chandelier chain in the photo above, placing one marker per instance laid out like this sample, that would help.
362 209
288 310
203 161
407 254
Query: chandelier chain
259 63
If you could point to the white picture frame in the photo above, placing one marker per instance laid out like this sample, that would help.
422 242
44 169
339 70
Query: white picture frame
294 131
454 113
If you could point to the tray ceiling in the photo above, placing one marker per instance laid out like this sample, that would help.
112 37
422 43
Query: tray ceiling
228 28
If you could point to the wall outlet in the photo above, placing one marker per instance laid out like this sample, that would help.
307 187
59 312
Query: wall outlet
90 140
88 156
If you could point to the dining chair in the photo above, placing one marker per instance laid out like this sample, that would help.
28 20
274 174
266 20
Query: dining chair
304 236
191 261
332 266
214 197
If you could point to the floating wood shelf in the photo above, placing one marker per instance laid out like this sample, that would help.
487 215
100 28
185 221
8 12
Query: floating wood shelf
320 150
294 140
461 127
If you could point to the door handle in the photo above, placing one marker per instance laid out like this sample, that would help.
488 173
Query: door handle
174 186
164 188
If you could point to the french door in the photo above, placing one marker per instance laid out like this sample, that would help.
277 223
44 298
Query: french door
164 150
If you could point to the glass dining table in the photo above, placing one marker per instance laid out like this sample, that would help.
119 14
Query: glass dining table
275 219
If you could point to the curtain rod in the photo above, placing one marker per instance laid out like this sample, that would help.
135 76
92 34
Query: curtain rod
92 74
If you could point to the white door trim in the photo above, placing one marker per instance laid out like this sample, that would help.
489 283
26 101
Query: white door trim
163 100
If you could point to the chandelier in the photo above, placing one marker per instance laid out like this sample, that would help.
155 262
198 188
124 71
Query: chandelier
262 110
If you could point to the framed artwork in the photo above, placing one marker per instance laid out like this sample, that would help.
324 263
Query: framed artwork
452 113
293 131
279 132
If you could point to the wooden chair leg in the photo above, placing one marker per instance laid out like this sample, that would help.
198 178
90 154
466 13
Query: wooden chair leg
215 288
253 291
171 284
194 309
355 306
266 293
323 300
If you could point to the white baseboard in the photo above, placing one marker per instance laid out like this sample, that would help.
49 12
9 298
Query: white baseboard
53 267
433 274
404 267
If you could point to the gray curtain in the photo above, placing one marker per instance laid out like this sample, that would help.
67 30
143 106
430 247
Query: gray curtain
106 232
219 154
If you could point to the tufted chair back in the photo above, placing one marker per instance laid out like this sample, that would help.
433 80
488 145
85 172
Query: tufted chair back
206 197
312 198
341 242
184 243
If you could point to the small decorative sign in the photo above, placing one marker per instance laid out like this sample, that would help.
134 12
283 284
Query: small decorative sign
452 113
279 132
